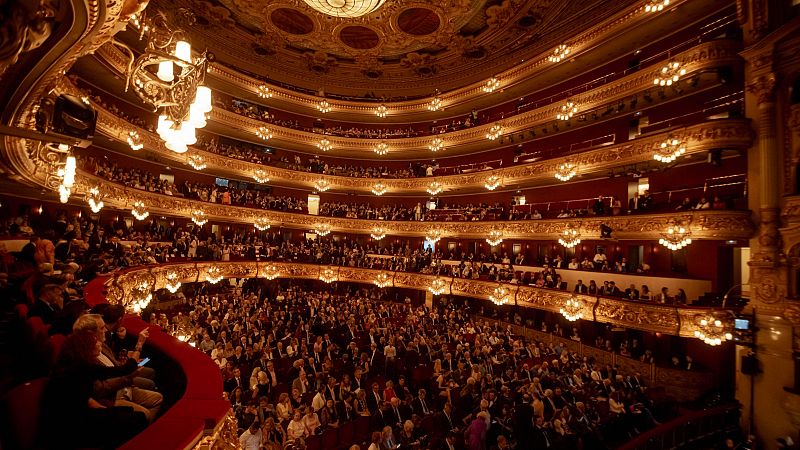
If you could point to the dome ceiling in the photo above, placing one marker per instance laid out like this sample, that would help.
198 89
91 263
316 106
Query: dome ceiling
403 48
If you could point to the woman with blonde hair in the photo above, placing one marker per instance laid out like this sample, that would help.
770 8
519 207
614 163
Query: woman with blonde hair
284 407
273 435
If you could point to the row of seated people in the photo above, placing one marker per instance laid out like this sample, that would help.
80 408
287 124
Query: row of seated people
303 363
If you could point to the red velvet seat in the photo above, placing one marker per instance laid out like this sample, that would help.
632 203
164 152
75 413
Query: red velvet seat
346 434
21 407
52 349
314 443
361 428
35 332
22 311
330 439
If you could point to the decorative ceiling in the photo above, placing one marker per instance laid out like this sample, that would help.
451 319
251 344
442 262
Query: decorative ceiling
404 48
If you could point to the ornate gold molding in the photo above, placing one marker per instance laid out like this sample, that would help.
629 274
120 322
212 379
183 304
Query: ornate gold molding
26 25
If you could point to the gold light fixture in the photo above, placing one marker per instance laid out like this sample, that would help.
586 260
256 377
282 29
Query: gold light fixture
436 145
67 174
324 107
141 295
383 280
500 295
494 132
492 183
669 74
565 171
173 283
271 272
324 144
196 161
260 175
322 229
328 275
263 91
570 237
559 53
322 185
379 188
435 104
138 210
135 140
434 188
495 237
670 150
652 6
676 238
94 199
214 275
438 286
345 8
714 328
381 111
491 85
261 224
434 235
199 217
378 233
264 133
381 148
572 309
567 110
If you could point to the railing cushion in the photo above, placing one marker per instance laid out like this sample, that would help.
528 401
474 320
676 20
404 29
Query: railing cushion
166 433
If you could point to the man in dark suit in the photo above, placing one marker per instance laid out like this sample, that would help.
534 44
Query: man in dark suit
635 203
446 420
421 405
542 439
236 381
581 288
632 293
48 304
374 397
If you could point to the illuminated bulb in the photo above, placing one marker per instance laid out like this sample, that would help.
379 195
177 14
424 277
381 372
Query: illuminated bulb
183 51
69 172
165 71
138 210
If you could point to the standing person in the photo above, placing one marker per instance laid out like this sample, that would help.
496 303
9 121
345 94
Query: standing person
475 434
252 438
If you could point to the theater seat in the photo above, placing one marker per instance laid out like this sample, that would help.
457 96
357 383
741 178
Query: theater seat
346 434
21 407
330 439
52 349
314 443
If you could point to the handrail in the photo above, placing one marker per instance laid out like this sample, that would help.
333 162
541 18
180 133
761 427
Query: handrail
657 438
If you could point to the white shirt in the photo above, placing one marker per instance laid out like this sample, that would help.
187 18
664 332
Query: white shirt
251 441
318 402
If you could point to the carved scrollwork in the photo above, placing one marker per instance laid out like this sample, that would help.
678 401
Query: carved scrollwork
25 26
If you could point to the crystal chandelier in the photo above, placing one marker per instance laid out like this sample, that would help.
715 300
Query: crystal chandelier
214 275
378 233
433 235
322 229
494 132
492 183
434 188
67 174
324 107
263 91
435 104
141 296
495 237
436 145
713 329
271 272
567 110
379 189
382 280
328 275
570 237
500 295
655 5
181 97
572 309
199 217
381 111
676 238
438 286
172 284
345 8
669 74
559 53
260 175
261 224
565 171
324 144
381 149
135 140
138 210
196 161
669 150
322 185
264 133
490 85
94 200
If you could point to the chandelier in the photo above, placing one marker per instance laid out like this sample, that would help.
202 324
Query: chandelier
264 133
181 97
328 275
381 149
94 200
494 132
324 144
345 8
378 233
434 188
500 295
669 74
567 110
565 171
438 286
261 224
67 174
559 53
655 5
379 189
676 238
669 150
381 111
382 280
214 275
141 296
172 284
436 145
324 107
572 309
263 91
135 140
433 235
260 175
490 85
492 183
570 237
322 185
713 329
495 237
199 217
196 161
271 272
138 210
435 104
322 229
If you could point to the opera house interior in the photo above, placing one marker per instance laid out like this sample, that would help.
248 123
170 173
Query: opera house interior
399 224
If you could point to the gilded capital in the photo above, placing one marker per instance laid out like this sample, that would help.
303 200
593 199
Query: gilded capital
763 87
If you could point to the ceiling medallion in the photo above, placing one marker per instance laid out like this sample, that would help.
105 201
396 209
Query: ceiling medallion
322 185
492 183
438 286
199 218
495 238
434 188
214 275
381 111
260 176
324 107
261 224
565 171
264 92
669 74
714 328
322 229
436 145
345 8
196 161
572 309
378 233
494 132
264 133
379 189
135 140
383 280
435 104
570 237
655 5
490 85
324 144
93 198
500 295
567 110
676 238
271 272
669 150
381 149
559 53
138 210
